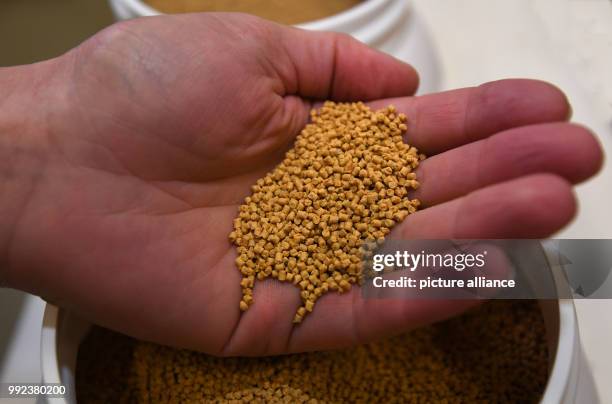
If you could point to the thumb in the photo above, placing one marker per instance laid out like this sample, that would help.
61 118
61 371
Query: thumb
328 65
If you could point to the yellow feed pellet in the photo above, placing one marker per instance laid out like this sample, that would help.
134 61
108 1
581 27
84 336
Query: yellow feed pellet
496 353
346 181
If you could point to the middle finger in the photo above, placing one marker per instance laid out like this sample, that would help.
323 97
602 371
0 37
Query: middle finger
567 150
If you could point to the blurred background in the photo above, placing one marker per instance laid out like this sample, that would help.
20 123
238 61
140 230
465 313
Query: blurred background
33 30
566 42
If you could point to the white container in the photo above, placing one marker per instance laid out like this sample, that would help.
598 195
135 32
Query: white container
569 380
388 25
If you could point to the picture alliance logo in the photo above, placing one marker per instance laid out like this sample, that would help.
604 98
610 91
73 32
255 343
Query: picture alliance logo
541 269
404 260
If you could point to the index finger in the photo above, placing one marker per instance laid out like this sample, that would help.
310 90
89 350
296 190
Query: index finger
443 121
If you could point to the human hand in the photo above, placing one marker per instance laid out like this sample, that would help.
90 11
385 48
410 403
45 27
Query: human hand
156 128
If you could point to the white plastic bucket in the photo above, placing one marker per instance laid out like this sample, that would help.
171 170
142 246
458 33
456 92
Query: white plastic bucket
62 333
388 25
569 382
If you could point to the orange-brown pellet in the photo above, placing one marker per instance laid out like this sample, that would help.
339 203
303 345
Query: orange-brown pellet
345 181
496 353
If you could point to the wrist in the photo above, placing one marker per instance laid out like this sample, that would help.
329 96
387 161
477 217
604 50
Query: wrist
29 97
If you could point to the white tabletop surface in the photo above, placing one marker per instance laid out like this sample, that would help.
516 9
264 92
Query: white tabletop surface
567 42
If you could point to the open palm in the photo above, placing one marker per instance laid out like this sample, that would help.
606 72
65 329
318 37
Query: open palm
162 124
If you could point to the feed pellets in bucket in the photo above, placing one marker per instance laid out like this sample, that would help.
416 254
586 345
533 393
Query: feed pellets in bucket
283 11
496 353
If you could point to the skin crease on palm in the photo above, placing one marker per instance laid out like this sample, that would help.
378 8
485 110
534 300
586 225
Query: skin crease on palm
124 162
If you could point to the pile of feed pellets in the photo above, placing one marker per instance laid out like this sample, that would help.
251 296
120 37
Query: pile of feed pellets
345 182
496 353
